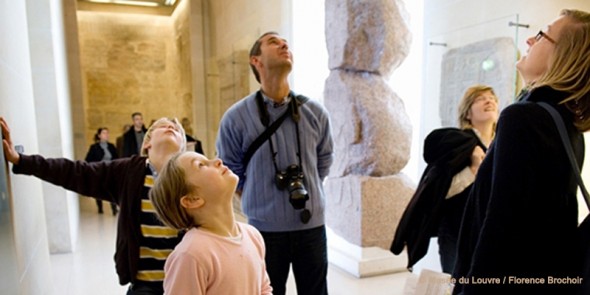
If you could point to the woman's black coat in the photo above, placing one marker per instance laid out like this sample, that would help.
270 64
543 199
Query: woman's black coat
95 152
521 216
447 151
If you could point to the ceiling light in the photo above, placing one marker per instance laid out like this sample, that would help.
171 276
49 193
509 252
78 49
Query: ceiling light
137 3
125 2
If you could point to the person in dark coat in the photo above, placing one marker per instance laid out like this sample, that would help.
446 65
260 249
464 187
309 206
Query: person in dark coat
453 156
119 142
191 142
102 150
521 217
133 138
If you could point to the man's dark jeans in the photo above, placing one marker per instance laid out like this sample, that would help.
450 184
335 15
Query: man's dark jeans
307 251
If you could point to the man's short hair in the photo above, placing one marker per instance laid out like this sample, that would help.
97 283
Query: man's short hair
255 51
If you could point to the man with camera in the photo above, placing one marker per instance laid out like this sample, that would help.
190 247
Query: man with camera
279 144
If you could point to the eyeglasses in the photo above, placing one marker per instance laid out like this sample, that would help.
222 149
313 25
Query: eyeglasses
542 34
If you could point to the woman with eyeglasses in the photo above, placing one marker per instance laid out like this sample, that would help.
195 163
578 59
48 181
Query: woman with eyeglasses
519 231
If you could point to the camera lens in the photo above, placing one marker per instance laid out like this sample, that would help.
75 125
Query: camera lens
297 194
292 180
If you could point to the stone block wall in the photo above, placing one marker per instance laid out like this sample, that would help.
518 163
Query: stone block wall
133 63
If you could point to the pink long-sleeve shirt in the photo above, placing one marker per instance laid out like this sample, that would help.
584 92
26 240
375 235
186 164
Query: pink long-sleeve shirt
206 263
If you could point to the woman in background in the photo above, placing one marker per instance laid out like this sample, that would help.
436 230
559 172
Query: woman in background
192 144
102 150
478 114
453 156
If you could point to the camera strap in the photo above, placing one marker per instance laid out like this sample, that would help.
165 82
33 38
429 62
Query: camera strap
293 109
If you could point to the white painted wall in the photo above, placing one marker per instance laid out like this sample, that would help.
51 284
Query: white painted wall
407 82
53 113
17 106
35 101
310 55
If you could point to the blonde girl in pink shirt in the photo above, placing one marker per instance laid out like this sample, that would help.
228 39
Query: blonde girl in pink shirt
217 255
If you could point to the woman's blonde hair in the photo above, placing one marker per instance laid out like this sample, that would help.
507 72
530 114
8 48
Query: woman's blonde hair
170 186
148 134
467 101
569 69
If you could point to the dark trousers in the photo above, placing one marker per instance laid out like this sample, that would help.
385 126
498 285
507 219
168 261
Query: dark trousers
113 207
447 249
448 231
307 251
145 289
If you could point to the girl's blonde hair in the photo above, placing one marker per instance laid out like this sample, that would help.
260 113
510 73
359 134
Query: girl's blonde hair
170 186
467 101
569 69
148 134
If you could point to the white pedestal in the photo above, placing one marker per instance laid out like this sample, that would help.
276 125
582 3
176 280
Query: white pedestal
363 262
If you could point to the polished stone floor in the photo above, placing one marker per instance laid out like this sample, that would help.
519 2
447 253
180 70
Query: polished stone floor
90 269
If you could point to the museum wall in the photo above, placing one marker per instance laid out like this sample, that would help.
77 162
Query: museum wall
232 28
133 63
31 75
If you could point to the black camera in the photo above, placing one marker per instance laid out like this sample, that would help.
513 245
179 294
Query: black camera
292 180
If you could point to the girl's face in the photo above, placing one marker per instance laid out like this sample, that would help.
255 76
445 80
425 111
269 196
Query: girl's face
209 178
104 135
484 108
541 46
